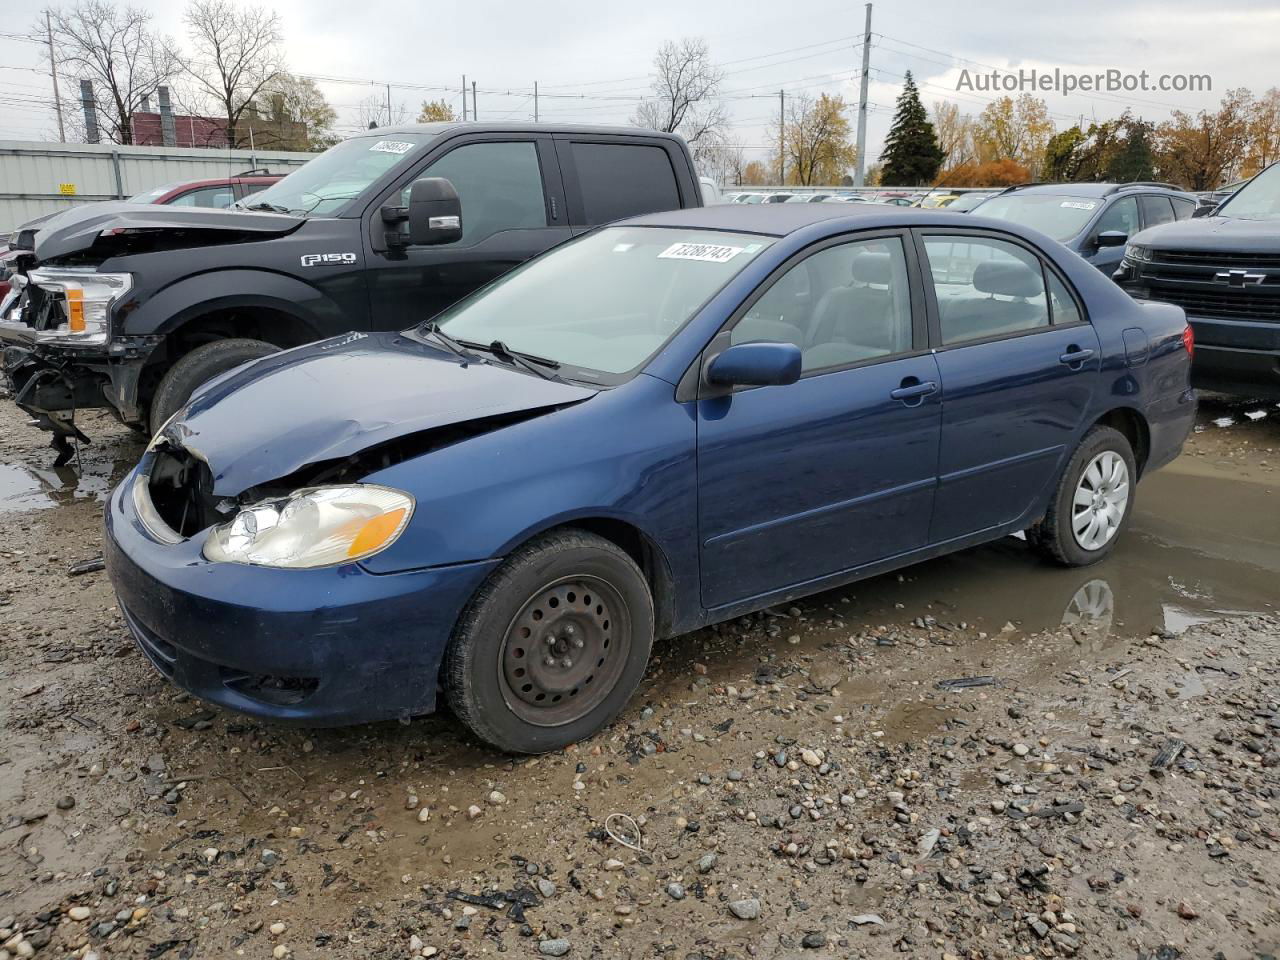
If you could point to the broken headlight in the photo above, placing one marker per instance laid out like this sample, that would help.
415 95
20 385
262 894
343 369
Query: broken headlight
83 300
314 527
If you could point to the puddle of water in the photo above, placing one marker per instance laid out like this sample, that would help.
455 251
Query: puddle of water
24 488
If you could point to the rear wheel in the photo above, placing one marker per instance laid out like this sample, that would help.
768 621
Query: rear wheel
552 646
1092 502
199 367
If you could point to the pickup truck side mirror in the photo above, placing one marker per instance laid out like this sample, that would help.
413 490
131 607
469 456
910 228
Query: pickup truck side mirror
1204 210
755 365
435 212
1112 238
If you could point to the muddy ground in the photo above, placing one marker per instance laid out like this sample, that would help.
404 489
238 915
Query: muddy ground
801 783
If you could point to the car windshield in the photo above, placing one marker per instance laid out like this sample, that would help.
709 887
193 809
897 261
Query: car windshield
603 304
326 184
1259 199
154 194
1061 217
967 201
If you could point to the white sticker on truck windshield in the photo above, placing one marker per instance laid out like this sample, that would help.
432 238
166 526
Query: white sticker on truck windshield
391 146
1078 204
706 252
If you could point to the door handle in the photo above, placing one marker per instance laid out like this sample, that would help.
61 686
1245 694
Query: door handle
1075 355
914 391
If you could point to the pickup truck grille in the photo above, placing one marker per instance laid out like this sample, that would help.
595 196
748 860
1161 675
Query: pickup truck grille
1233 305
1216 260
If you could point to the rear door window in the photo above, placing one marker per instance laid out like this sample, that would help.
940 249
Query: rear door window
619 180
985 287
1183 209
1156 210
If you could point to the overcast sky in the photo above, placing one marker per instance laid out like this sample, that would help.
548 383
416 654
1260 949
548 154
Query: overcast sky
591 58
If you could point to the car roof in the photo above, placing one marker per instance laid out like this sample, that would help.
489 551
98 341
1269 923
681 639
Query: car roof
780 219
1091 189
448 126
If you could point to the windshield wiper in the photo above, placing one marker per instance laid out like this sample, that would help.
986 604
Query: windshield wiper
268 207
526 361
455 346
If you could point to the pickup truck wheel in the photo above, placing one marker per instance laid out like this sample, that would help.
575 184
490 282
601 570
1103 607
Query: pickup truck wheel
1092 502
199 367
552 646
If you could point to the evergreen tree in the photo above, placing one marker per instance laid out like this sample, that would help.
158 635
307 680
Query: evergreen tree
911 154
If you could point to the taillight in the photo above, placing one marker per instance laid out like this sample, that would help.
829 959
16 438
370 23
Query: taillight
1189 341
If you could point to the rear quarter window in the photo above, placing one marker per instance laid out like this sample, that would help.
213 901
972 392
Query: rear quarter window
623 180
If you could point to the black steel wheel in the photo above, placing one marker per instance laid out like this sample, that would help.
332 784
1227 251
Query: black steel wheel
552 646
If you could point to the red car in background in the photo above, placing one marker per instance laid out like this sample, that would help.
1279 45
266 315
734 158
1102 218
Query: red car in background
216 192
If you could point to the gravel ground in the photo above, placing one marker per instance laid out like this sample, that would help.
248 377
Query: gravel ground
1104 783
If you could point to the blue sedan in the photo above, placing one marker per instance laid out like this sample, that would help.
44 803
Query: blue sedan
661 424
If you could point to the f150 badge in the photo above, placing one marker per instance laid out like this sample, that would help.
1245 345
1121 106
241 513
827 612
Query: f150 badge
312 259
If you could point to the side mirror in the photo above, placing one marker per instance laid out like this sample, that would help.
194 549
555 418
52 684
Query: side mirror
1204 210
1112 238
755 365
435 212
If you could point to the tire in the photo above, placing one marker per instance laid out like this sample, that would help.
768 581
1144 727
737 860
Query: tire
570 597
1102 514
197 368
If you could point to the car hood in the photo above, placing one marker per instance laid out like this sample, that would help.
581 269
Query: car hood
80 229
271 417
1213 233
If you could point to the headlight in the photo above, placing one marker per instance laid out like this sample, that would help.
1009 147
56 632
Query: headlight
315 527
1137 252
84 298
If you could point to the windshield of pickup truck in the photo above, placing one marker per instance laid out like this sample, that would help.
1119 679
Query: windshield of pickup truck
599 306
326 184
1259 199
1061 217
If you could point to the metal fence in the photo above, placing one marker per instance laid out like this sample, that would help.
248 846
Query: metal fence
41 178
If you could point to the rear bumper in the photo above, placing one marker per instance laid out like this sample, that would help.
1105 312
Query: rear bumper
322 647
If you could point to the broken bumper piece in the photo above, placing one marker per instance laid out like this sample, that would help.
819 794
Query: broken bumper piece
323 647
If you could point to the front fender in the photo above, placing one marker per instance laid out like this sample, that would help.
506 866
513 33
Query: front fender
198 294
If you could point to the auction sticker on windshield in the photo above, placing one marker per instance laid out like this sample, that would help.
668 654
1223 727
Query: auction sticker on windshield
391 146
706 252
1078 204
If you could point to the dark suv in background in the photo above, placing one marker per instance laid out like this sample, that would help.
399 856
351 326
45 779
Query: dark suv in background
1093 219
1224 271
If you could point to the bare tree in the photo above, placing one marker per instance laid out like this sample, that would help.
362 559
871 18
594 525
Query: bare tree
237 56
117 51
686 89
375 111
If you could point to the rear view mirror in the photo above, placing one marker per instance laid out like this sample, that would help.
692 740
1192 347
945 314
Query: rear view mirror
435 212
755 365
1112 238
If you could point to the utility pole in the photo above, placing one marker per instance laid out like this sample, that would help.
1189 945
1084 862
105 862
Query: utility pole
474 114
782 136
464 98
53 67
535 101
389 121
860 171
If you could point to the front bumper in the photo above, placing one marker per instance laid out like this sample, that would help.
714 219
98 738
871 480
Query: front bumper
326 647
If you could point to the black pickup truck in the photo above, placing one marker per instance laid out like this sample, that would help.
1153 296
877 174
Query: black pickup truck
1224 271
132 307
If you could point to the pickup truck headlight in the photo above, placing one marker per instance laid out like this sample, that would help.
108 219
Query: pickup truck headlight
85 298
313 527
1137 252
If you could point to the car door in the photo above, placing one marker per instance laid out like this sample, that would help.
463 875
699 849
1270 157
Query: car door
801 482
1019 363
512 209
1120 216
1156 209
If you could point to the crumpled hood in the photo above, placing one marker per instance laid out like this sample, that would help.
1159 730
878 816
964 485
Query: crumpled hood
1213 233
331 399
78 229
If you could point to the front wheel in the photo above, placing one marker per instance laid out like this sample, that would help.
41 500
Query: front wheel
552 646
1092 502
199 367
